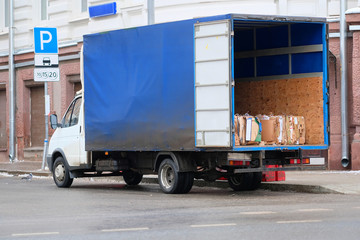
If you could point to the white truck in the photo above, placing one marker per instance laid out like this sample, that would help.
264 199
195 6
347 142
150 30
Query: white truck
162 99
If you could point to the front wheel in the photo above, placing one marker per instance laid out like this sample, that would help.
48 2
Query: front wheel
61 173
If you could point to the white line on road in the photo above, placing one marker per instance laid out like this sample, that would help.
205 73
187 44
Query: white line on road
315 210
299 221
34 234
257 213
214 225
125 229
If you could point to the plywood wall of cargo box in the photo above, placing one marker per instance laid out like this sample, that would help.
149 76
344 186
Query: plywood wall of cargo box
298 97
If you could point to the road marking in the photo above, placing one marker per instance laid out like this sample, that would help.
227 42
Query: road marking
299 221
125 229
34 234
257 213
214 225
315 210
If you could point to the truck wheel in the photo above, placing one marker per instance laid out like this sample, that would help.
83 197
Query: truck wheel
170 180
61 173
241 181
132 178
256 182
188 181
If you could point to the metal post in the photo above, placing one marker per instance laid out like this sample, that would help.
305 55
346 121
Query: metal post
344 105
12 83
151 11
46 141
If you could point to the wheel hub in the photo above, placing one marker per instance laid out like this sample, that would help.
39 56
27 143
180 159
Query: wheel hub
60 172
167 176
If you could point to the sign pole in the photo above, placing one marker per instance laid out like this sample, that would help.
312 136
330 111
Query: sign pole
46 140
46 69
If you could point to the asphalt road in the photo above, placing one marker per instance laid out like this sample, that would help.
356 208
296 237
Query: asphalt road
104 209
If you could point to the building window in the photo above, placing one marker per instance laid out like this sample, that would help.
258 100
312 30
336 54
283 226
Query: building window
84 5
44 10
4 13
7 9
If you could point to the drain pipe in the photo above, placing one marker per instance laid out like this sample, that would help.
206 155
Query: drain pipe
151 11
344 104
12 153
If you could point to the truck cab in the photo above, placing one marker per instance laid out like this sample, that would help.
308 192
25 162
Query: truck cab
67 145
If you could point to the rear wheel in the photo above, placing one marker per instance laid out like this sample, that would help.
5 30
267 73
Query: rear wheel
132 178
61 173
168 177
241 181
256 181
173 181
188 181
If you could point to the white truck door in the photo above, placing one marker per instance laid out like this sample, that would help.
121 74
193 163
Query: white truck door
68 137
213 84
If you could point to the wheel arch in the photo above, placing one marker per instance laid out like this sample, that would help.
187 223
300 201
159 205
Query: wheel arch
57 153
183 162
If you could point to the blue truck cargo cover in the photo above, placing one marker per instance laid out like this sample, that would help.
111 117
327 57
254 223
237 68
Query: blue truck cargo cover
139 88
139 92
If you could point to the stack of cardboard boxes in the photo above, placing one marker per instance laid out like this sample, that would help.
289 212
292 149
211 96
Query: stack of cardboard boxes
269 130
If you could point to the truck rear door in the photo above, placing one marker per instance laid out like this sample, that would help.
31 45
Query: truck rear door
213 84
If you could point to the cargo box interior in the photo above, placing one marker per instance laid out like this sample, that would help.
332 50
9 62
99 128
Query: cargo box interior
279 70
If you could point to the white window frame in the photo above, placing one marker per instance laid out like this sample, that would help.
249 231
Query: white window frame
37 13
3 14
77 13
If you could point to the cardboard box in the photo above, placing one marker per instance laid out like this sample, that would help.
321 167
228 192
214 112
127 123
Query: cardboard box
252 130
300 129
240 125
236 123
273 129
295 130
268 133
242 130
281 138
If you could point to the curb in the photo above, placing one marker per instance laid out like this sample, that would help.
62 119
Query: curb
279 187
284 187
17 173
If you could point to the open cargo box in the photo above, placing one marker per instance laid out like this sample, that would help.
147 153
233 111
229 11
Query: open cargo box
176 86
278 67
281 70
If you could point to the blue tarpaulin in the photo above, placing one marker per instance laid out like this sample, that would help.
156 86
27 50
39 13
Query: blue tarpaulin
139 82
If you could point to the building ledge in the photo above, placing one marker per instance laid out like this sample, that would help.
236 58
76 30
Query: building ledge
33 149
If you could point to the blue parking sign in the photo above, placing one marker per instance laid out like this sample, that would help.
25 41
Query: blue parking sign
45 40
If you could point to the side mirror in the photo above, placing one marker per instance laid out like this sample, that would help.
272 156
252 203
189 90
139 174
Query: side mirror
53 121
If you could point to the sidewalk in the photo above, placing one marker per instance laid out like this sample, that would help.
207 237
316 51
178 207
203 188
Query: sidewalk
341 182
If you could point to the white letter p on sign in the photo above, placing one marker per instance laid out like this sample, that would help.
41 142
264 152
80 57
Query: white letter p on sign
42 40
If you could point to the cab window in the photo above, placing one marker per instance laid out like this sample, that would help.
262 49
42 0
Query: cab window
71 117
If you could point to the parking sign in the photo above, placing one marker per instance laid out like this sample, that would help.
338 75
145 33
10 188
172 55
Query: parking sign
45 40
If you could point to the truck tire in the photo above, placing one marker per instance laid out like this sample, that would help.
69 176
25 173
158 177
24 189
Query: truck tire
241 181
256 182
170 180
61 173
188 182
132 178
